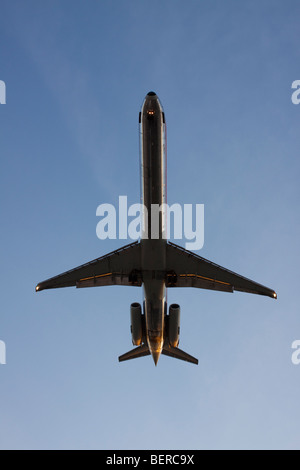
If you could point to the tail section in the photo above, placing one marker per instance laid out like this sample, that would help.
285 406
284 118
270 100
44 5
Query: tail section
178 354
140 351
167 350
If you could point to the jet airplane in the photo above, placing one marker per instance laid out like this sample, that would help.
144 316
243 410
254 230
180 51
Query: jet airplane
153 262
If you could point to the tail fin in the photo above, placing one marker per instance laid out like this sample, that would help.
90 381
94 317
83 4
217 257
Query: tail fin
136 352
178 354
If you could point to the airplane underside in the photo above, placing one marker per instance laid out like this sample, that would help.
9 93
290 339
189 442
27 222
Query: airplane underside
153 262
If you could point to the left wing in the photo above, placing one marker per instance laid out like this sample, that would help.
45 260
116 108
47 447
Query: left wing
186 269
120 267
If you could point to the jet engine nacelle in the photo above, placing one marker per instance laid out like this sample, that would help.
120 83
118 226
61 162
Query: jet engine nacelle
136 328
174 325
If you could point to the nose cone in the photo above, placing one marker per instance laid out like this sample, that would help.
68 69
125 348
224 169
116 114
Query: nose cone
151 105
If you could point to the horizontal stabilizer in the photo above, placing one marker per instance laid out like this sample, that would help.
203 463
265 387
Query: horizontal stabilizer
140 351
178 354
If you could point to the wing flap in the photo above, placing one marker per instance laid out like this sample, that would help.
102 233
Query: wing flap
186 269
120 267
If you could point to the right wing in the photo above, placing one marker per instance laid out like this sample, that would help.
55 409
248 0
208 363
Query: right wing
120 267
186 269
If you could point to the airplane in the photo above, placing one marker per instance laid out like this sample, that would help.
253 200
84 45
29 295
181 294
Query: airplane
154 262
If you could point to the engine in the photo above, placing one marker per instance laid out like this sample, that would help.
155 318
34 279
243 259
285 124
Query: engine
174 325
136 328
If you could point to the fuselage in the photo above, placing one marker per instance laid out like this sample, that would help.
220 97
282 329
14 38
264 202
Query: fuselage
153 242
153 262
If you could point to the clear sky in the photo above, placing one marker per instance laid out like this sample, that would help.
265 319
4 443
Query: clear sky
76 74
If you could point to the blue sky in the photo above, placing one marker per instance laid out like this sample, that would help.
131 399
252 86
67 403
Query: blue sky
76 74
